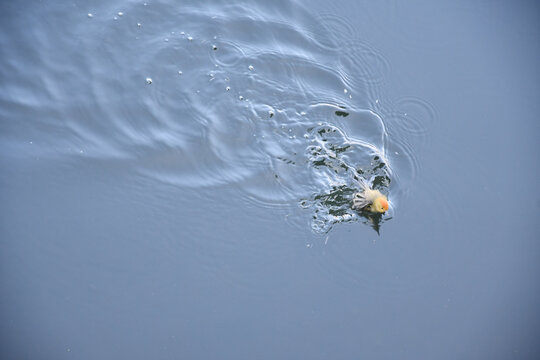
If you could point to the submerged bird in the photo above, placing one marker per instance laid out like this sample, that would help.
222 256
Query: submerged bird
370 199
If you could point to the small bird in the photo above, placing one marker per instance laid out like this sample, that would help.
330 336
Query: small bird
370 200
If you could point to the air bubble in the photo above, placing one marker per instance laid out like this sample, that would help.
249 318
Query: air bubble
90 15
148 80
240 97
189 38
250 67
120 13
139 25
180 72
214 47
228 88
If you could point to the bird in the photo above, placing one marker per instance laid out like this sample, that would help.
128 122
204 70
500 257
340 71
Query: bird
370 199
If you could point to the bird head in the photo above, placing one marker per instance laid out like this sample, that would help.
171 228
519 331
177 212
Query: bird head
380 204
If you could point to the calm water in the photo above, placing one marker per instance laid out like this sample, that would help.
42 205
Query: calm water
176 180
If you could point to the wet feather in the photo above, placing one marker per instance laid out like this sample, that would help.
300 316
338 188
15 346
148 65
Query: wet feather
369 199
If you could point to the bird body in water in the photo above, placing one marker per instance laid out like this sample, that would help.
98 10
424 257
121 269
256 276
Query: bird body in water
370 199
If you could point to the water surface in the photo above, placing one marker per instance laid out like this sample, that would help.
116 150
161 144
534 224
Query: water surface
176 180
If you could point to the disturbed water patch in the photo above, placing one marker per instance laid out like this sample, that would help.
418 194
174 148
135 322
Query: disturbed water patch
285 105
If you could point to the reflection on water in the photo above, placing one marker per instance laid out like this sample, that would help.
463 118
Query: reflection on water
283 104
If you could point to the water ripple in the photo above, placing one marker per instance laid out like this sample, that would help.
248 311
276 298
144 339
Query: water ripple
282 104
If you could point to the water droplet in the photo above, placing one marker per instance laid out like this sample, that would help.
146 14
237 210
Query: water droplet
250 67
214 47
228 88
90 15
148 80
120 13
180 72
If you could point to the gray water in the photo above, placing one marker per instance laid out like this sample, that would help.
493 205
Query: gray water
176 179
